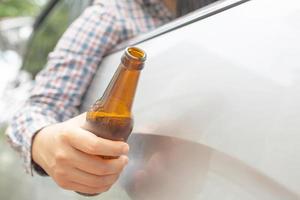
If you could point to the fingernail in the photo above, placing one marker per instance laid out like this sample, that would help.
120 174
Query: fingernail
125 149
125 159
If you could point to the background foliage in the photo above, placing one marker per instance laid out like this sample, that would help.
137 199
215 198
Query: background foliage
13 8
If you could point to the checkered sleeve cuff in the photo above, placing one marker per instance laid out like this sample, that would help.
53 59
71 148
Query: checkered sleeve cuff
25 124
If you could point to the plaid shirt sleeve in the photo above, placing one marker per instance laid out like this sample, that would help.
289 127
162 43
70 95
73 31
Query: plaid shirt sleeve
59 88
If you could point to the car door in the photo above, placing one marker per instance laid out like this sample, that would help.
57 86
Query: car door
217 108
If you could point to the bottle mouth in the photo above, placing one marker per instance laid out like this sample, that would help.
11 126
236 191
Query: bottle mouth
136 53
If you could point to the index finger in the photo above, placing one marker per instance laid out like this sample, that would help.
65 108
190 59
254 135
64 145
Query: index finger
89 143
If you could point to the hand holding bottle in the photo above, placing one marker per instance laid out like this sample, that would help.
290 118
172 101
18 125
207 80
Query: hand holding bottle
71 156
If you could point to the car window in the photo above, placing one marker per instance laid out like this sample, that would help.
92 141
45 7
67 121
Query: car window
186 6
48 32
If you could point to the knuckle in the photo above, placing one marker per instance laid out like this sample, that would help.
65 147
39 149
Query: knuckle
64 134
61 157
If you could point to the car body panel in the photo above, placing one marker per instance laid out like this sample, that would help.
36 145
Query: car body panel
230 84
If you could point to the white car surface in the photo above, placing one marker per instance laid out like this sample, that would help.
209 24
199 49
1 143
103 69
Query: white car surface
217 111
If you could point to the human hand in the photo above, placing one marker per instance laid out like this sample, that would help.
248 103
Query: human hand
72 156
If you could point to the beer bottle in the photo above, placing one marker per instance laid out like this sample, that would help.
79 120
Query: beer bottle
110 117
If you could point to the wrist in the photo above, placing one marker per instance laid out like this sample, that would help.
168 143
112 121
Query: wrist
35 155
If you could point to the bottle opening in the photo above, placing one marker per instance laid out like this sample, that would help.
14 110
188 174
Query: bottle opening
136 53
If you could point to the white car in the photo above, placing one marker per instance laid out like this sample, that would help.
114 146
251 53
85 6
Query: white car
217 111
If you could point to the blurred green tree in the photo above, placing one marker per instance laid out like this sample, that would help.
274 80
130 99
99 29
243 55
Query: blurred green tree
48 33
13 8
46 37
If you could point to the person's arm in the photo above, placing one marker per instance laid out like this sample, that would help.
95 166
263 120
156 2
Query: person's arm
58 91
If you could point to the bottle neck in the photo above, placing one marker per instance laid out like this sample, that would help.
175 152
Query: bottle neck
119 95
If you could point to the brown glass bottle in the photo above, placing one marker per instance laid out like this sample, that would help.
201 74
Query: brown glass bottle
110 117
